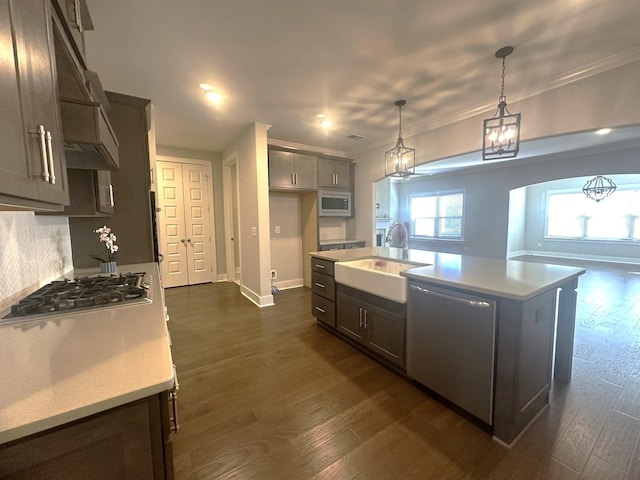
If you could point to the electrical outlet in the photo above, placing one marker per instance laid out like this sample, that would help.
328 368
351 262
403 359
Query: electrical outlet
274 274
254 231
277 229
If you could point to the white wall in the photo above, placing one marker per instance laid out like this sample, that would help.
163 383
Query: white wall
608 99
517 222
34 250
536 243
253 206
286 246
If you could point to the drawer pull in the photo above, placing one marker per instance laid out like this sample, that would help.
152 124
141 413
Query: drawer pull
321 310
319 285
319 266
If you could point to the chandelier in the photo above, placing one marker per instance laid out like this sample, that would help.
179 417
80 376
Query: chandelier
599 188
400 161
501 133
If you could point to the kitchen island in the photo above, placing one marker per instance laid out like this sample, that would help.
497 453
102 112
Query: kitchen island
97 376
532 302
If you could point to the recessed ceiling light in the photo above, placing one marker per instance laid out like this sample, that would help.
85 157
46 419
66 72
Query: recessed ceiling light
326 123
321 116
206 87
215 97
603 131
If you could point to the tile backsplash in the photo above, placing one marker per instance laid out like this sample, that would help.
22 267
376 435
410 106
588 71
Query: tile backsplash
34 250
331 228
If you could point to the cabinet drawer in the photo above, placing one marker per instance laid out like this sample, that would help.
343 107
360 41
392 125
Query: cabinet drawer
323 285
354 245
321 265
324 310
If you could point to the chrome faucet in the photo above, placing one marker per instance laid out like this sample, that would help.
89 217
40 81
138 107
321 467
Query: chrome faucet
405 238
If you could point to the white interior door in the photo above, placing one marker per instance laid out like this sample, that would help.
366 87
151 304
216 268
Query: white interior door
172 224
185 223
196 210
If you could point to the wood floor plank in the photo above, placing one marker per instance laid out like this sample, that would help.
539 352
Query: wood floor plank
268 394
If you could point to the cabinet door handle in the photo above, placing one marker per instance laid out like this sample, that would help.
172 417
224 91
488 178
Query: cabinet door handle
365 318
319 285
78 15
42 137
463 301
360 322
52 171
321 310
111 202
173 396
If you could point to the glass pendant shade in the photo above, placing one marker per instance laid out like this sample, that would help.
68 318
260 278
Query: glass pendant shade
400 161
599 188
501 133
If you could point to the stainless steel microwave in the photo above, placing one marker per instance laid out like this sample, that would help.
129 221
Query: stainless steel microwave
334 204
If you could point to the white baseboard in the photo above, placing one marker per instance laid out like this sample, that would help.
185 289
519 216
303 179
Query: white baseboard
286 284
260 301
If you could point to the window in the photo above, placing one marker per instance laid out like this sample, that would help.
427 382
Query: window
437 215
573 215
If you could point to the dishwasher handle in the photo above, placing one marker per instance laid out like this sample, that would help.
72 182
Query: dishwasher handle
464 301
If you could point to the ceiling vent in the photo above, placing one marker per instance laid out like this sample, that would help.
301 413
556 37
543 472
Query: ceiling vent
355 136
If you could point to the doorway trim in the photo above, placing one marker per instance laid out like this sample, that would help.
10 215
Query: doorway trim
229 238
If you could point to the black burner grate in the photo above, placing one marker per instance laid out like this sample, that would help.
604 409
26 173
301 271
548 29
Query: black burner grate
82 293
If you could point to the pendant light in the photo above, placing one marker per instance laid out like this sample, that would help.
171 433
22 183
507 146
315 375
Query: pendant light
599 188
400 161
501 133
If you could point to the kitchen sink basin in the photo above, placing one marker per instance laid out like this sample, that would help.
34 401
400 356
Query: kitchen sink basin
378 276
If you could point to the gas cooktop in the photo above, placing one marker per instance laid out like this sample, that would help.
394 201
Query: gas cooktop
69 296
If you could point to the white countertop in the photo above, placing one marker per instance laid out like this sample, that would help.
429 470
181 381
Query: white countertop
504 278
65 367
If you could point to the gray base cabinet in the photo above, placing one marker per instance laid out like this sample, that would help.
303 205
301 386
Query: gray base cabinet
520 356
377 324
323 305
130 442
524 362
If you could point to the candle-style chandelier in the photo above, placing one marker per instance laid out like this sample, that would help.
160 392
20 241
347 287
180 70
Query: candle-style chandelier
599 188
400 161
501 133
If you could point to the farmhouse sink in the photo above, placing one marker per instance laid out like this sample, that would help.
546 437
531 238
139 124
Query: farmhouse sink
378 276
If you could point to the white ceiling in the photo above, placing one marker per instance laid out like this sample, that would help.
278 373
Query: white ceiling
281 62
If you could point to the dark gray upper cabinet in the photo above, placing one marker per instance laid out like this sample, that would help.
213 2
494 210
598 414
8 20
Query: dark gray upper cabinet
334 173
32 163
76 20
292 171
90 193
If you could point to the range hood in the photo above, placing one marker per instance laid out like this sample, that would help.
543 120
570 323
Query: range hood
89 140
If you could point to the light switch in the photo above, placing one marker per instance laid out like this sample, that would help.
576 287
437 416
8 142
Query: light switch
254 231
277 229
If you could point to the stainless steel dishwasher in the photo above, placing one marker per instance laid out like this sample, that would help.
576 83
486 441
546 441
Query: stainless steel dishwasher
450 346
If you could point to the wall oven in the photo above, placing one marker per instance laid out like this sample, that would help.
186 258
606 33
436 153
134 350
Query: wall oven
334 204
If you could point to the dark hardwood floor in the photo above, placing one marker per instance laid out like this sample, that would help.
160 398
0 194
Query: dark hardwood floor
268 394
